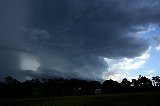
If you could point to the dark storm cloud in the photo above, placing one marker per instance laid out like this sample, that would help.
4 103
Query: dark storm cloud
98 27
12 18
72 36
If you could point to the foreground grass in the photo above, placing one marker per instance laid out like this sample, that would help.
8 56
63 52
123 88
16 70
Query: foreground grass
129 99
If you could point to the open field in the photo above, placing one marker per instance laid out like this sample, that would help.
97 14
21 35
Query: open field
128 99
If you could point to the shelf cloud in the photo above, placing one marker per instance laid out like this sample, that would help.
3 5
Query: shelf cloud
71 38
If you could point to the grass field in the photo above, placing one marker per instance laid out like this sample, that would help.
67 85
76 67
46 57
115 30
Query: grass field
128 99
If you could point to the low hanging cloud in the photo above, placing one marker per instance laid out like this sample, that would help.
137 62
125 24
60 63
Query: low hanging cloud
71 38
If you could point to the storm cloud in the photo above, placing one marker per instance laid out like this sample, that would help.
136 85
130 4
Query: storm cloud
71 38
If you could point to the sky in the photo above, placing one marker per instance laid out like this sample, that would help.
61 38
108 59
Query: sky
84 39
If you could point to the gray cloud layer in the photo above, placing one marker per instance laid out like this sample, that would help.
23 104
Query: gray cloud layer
70 37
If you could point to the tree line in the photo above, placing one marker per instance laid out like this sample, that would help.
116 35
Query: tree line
12 88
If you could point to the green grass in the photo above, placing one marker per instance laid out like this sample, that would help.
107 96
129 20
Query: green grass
128 99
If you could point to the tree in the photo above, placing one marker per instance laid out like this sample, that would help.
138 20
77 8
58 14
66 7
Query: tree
126 83
10 80
156 80
110 86
134 83
144 82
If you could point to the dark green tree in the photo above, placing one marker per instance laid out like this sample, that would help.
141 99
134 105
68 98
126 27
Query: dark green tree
144 82
126 83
